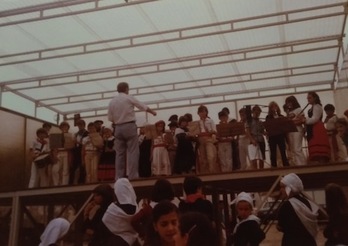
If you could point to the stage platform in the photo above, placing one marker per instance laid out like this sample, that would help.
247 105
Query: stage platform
314 177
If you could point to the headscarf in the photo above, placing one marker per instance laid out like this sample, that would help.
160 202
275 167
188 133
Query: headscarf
292 183
55 230
124 192
243 196
308 216
116 219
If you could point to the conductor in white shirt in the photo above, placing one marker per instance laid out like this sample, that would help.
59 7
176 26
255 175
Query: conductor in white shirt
121 114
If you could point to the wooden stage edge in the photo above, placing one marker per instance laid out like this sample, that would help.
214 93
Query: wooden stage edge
313 176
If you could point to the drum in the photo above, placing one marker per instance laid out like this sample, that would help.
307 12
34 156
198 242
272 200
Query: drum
43 160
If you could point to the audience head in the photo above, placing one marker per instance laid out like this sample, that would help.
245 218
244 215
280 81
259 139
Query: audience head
195 229
336 200
124 192
291 185
165 220
162 190
103 195
244 205
54 231
192 185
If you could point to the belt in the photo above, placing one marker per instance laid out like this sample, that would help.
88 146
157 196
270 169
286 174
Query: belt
128 122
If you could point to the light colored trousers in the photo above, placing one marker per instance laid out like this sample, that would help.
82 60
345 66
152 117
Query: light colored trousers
91 165
127 151
295 143
225 156
207 156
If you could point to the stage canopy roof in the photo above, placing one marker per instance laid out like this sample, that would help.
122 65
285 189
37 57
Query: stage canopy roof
66 57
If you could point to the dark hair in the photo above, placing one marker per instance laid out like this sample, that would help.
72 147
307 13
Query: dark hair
336 200
92 124
293 101
81 122
188 117
199 229
182 119
202 108
270 112
192 184
315 96
256 107
41 130
106 192
122 87
47 125
329 107
162 190
64 123
222 113
162 208
226 110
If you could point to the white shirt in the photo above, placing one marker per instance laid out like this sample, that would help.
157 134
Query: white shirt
317 113
121 108
207 125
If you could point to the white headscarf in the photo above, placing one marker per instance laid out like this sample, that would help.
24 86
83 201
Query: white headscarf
308 216
243 196
124 192
292 183
55 230
115 219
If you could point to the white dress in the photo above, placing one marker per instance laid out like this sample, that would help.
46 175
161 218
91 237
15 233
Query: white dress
160 164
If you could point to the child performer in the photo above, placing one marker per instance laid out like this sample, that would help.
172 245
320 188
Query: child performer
243 142
255 131
160 164
247 230
185 155
206 141
224 146
145 145
90 154
65 154
106 167
39 174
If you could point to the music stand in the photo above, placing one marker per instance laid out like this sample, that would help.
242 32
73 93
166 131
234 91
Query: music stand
56 140
279 126
230 129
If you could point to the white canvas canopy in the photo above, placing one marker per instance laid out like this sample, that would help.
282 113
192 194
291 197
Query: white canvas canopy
66 57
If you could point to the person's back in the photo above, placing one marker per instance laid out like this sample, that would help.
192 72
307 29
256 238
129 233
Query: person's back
195 200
